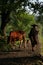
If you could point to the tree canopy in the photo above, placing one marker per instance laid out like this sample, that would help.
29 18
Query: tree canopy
6 6
18 6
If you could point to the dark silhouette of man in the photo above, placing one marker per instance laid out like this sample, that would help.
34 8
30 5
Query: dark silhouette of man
33 35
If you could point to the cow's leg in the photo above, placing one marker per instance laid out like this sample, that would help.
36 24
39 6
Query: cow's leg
11 40
25 45
14 42
24 42
20 45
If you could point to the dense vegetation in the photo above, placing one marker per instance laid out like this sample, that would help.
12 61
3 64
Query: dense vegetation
14 16
22 21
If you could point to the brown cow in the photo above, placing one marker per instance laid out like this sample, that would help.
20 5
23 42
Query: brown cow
16 35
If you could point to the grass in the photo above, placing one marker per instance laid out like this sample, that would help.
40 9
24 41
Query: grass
8 47
41 41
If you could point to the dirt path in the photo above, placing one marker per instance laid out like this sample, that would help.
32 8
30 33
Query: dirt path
21 61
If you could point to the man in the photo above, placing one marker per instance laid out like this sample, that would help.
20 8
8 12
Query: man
33 35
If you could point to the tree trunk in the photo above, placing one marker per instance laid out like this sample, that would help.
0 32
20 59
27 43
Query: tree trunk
5 19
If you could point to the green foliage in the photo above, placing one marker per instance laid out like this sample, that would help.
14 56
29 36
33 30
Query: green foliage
2 43
7 48
7 6
21 21
4 46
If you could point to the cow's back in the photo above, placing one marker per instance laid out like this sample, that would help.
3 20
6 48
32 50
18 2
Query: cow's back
17 35
13 34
